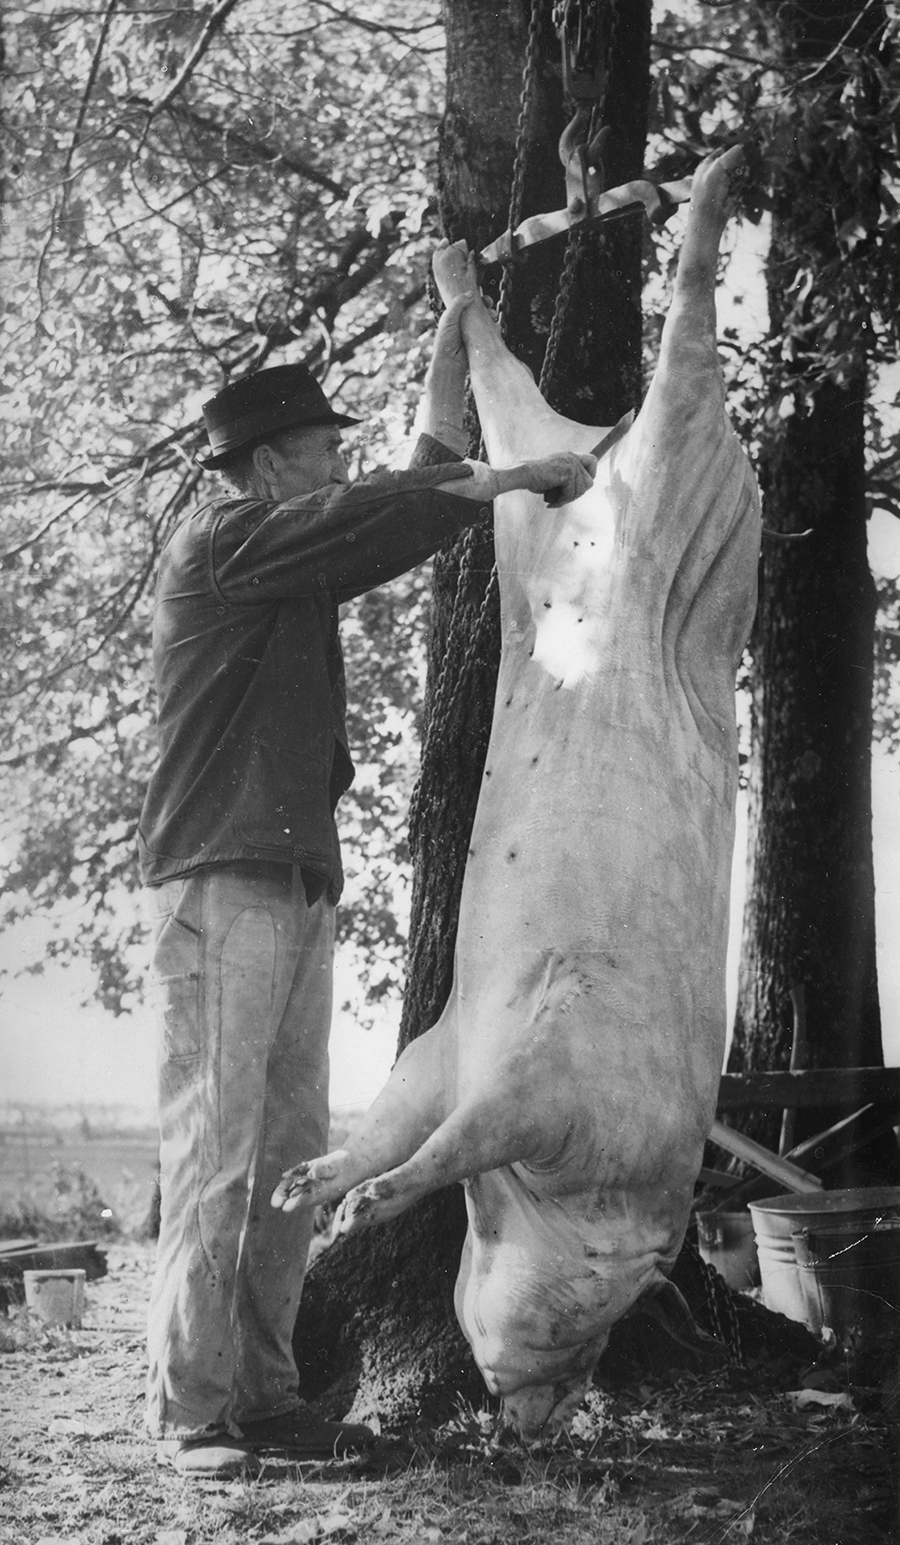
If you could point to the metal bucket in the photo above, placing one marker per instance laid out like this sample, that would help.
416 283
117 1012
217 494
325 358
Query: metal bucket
850 1277
778 1219
56 1296
725 1240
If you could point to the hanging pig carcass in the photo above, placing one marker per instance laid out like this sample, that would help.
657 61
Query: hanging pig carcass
571 1081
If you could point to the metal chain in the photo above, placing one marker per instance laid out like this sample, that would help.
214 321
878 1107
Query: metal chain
720 1303
575 242
529 71
564 294
439 715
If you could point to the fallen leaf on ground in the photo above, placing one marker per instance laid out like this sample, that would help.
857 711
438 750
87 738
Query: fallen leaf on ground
300 1534
335 1522
72 1427
310 1529
706 1502
820 1397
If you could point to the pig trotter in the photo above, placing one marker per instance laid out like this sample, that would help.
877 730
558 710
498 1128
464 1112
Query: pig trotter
312 1182
375 1201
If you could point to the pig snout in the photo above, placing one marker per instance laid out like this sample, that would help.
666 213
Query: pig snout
541 1411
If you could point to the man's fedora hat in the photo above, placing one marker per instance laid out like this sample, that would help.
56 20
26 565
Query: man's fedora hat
243 414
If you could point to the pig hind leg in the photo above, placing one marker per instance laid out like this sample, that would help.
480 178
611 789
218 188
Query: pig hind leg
514 416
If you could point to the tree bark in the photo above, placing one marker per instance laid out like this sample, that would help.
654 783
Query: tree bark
598 378
377 1331
809 921
377 1324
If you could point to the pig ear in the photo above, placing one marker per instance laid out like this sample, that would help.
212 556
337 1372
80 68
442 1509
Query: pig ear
474 1138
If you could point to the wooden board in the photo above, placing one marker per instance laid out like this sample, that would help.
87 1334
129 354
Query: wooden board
811 1087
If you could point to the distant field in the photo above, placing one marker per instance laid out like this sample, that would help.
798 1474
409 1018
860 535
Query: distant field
123 1168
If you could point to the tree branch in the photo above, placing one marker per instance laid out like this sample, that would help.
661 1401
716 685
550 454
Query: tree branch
258 148
805 79
86 95
77 732
214 24
347 349
400 34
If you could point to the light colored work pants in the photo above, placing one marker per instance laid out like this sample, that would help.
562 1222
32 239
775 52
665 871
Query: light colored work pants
244 972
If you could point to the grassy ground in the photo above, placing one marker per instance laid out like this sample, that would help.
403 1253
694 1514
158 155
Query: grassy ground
724 1458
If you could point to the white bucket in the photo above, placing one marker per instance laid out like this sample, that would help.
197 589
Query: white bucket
56 1297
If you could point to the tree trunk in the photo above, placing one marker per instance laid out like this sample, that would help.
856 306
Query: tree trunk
809 922
598 377
377 1323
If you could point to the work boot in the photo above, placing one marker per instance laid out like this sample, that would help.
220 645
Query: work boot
217 1458
302 1435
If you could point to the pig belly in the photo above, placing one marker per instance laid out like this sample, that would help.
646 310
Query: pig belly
598 878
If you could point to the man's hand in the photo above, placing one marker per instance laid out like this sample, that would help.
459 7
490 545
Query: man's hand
562 479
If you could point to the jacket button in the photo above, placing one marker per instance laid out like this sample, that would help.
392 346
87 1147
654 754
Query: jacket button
485 511
351 536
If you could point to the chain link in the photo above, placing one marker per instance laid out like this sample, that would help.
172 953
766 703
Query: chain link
518 179
564 293
449 674
575 242
455 671
720 1304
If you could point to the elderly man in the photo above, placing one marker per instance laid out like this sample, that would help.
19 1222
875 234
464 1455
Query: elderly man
240 856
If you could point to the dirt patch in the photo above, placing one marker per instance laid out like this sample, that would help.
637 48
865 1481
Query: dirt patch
722 1458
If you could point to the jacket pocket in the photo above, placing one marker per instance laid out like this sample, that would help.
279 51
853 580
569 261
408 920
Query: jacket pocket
176 973
283 802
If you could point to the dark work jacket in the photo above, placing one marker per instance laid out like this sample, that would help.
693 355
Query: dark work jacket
253 752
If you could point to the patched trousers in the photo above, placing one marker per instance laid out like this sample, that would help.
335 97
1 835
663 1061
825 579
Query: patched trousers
243 969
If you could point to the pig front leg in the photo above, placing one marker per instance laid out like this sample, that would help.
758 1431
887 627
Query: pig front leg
407 1147
412 1142
481 1134
401 1118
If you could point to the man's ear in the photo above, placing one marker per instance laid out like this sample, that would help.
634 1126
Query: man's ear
266 467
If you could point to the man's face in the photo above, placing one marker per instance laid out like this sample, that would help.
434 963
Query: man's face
306 459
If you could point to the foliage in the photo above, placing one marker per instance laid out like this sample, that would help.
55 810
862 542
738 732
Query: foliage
66 1204
834 279
190 194
835 122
